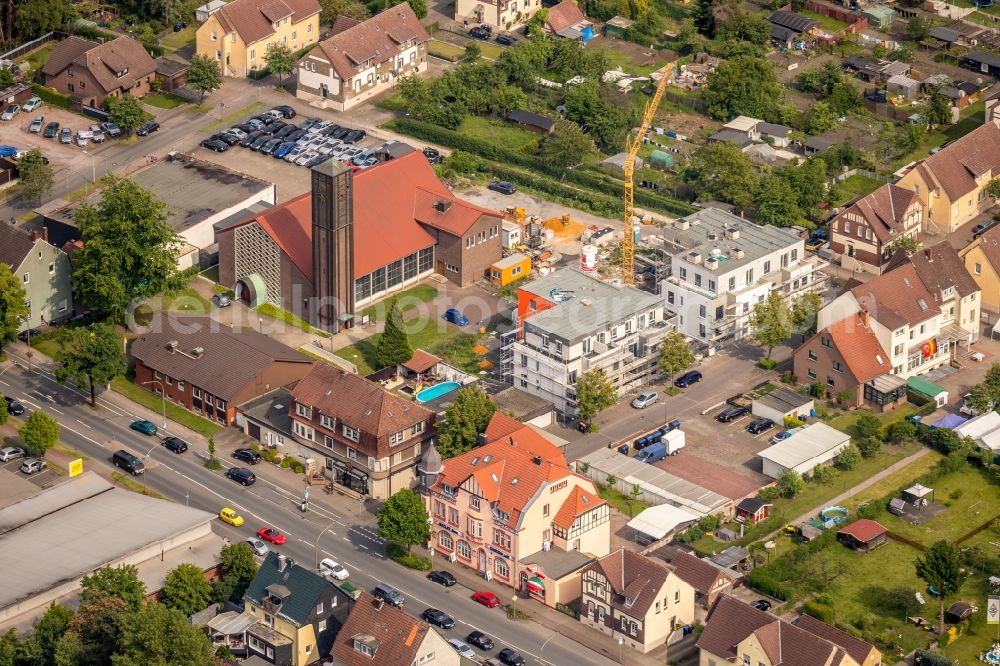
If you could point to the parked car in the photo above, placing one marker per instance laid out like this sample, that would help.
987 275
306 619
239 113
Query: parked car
256 124
9 453
309 123
8 151
433 155
328 128
111 129
270 534
284 131
758 426
286 111
36 125
282 150
388 594
273 113
480 640
251 137
238 132
732 413
33 465
487 599
362 156
215 144
145 427
511 657
128 462
502 186
66 135
331 569
455 316
97 134
982 228
645 399
354 136
175 444
227 138
230 516
461 648
241 475
247 455
260 141
147 128
761 605
687 379
32 104
479 32
442 578
28 333
298 135
257 546
51 130
438 618
340 133
780 437
221 301
271 146
13 406
506 40
11 111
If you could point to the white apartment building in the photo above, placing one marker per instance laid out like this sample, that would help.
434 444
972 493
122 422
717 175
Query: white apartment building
571 322
723 265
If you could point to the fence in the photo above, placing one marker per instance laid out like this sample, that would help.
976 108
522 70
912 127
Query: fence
841 177
32 45
686 100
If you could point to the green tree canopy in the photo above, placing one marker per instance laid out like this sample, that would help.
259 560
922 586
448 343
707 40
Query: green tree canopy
771 322
941 567
40 432
720 171
13 306
819 118
804 310
36 175
186 589
94 631
203 75
594 394
126 112
280 60
606 116
868 425
568 145
938 108
908 244
403 519
790 483
743 86
353 9
238 569
776 203
464 420
160 636
122 582
128 249
48 631
849 457
37 17
393 346
675 355
91 356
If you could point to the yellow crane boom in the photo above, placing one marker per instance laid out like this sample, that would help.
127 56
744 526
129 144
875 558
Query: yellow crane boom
632 146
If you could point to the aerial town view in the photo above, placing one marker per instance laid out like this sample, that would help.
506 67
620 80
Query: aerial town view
502 332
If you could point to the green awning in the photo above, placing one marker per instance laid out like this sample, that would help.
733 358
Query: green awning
924 387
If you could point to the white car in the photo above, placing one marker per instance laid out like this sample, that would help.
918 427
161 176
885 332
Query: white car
9 453
644 400
305 157
10 112
462 648
331 569
32 104
36 125
258 546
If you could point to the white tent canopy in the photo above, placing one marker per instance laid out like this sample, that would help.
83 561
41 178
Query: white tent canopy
659 521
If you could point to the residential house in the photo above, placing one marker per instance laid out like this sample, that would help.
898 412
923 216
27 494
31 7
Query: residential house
513 511
954 290
571 322
735 633
778 136
209 368
952 184
723 265
239 34
379 634
361 59
981 258
708 580
370 438
566 19
991 104
498 14
638 600
90 72
864 232
299 612
788 27
267 418
44 272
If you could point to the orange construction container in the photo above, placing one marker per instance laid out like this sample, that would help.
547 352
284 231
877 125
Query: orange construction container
512 268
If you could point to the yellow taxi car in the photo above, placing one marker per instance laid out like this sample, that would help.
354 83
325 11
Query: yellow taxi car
230 516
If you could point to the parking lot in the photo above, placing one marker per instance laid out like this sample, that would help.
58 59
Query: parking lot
15 133
39 479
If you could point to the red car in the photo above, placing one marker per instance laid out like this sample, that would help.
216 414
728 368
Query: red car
272 535
487 599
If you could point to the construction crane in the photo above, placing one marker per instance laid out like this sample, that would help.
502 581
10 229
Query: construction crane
632 146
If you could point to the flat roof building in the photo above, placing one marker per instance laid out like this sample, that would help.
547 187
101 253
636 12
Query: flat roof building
816 444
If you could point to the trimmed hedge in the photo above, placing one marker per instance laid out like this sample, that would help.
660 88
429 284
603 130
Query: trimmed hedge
761 581
52 97
399 555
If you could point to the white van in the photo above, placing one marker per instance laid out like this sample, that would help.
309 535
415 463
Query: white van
83 137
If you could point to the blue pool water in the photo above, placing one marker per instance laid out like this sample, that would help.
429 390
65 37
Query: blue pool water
437 391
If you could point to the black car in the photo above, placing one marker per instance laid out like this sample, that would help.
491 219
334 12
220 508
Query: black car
758 426
687 379
13 406
286 111
147 128
259 142
227 138
761 605
297 134
175 444
331 130
502 186
241 475
246 128
270 146
510 656
732 413
285 131
506 40
319 159
28 333
442 578
309 123
354 136
438 618
251 137
265 118
982 228
51 130
480 640
215 144
479 32
247 456
433 155
180 25
341 132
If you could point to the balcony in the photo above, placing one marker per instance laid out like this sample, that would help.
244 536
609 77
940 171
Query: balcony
654 334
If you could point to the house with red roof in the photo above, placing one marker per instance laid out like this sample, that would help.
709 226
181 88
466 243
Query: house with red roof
393 225
512 510
361 59
864 233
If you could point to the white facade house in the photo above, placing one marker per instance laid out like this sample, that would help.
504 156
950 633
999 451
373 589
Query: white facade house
816 444
723 265
572 322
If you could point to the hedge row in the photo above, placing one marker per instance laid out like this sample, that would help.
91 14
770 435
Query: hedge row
761 581
599 182
52 97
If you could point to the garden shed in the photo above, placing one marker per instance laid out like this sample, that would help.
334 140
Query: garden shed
863 535
879 16
920 388
897 506
617 26
816 444
902 85
753 510
782 403
957 612
661 159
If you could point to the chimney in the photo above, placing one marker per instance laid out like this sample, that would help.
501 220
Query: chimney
864 318
537 460
442 205
172 346
34 236
198 352
378 603
481 439
282 562
45 234
928 254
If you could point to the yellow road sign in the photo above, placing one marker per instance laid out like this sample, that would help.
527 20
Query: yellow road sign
76 467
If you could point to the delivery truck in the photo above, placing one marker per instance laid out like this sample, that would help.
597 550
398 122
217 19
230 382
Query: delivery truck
670 444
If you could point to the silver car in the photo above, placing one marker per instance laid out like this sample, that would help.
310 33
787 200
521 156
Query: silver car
36 125
32 465
462 648
10 112
305 157
644 400
258 546
9 453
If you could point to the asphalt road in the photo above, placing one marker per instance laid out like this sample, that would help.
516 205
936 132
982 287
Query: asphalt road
319 533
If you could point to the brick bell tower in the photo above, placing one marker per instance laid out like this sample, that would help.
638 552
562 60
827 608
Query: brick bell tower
333 245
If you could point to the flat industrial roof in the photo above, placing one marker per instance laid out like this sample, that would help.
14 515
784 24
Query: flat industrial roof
812 441
68 531
192 189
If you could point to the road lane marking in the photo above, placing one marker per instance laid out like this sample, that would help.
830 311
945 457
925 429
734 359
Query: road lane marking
29 403
4 383
82 435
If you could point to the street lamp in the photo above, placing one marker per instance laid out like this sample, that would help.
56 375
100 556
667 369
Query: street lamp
145 472
163 399
316 545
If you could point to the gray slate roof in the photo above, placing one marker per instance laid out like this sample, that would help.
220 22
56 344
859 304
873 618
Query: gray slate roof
304 586
15 244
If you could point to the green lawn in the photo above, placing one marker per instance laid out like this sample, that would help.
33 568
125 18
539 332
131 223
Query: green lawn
445 50
164 100
407 299
186 300
490 50
38 57
128 483
498 132
828 23
175 413
618 59
856 185
425 333
845 422
623 503
178 40
46 343
269 310
971 118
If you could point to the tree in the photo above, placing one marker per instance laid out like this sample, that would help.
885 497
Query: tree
869 446
720 171
594 394
126 112
128 249
993 188
203 75
14 309
393 346
743 86
606 114
675 354
353 9
868 426
771 322
901 431
3 417
568 145
747 27
849 457
93 632
472 53
464 420
157 634
805 307
908 244
37 17
820 118
280 61
419 7
843 98
918 28
35 175
122 582
776 202
704 17
941 568
403 519
790 483
90 356
238 568
938 108
48 630
40 432
186 589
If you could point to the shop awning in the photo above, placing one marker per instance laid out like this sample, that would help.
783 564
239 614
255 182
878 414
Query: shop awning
536 585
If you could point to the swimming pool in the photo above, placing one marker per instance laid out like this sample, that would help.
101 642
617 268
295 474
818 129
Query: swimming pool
437 391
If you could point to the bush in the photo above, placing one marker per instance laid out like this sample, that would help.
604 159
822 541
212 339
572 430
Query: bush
769 494
298 467
869 446
52 97
572 612
270 455
286 462
213 464
820 611
766 364
399 555
764 583
788 378
792 422
515 613
928 658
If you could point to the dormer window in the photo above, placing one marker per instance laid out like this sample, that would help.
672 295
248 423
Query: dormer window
448 490
629 601
366 645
